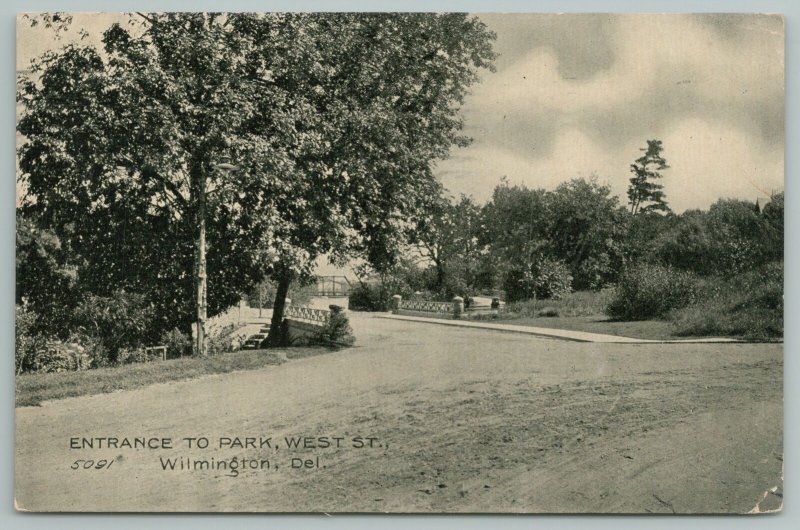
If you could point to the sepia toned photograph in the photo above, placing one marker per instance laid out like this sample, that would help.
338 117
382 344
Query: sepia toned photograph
399 263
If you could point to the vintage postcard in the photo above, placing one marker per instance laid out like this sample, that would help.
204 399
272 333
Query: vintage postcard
399 262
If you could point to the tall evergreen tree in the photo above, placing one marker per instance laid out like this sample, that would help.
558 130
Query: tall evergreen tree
644 193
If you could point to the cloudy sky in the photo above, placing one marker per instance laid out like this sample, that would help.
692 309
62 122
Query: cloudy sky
578 95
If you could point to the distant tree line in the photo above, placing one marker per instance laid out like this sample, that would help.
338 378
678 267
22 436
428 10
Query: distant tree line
529 243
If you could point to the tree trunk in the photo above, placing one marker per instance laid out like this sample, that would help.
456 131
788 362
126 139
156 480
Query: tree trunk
275 338
200 280
579 255
440 274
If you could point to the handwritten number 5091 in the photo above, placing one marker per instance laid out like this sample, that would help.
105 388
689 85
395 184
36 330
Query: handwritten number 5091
92 464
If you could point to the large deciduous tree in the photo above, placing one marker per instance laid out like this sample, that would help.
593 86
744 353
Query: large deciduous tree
516 222
446 237
331 121
122 151
579 224
386 92
587 231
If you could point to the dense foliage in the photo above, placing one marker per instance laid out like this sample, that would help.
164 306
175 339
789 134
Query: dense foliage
545 278
27 343
746 305
198 158
731 237
648 291
524 241
197 153
533 243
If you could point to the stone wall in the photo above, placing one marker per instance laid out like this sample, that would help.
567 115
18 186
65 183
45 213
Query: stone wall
298 329
427 314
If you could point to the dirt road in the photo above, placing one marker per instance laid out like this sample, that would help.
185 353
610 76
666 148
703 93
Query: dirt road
458 419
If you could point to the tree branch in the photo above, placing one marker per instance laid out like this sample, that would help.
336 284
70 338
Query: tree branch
151 173
148 19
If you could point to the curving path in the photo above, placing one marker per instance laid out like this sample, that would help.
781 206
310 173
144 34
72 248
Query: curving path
460 419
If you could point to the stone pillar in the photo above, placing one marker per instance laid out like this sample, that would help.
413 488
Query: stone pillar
396 299
458 307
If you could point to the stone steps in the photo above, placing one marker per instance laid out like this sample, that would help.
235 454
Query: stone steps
255 341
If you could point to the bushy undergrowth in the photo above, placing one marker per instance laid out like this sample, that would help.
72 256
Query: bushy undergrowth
544 279
82 351
749 305
122 321
126 356
27 343
577 304
223 342
61 357
178 343
370 297
651 291
36 352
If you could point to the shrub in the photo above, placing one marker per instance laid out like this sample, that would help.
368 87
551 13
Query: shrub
370 297
178 343
222 342
94 348
35 352
60 356
27 343
219 345
121 321
547 278
548 312
650 291
596 271
336 332
131 356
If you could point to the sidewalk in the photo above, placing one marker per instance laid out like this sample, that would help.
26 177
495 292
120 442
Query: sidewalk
562 334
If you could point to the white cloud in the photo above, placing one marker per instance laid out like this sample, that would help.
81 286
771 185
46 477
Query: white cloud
649 50
716 102
478 170
714 97
711 161
707 162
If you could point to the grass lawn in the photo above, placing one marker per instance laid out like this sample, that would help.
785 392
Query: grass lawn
582 311
748 307
32 389
644 329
